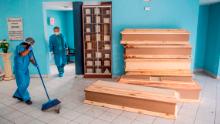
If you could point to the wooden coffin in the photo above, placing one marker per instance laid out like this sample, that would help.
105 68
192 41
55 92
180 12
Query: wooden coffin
155 35
158 66
188 91
178 73
146 100
148 42
158 51
159 78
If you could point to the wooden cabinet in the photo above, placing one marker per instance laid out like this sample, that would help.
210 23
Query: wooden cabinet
97 39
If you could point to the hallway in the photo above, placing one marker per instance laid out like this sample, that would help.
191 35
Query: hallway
70 91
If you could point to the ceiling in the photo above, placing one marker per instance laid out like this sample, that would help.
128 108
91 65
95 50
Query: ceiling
58 6
68 5
209 1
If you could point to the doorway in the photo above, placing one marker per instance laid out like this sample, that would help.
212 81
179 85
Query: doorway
60 14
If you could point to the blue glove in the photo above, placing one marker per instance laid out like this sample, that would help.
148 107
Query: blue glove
30 48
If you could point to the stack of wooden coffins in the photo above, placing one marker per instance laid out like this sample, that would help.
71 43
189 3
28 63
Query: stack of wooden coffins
157 74
159 58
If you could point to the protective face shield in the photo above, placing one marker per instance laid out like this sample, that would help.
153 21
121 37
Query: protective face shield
30 41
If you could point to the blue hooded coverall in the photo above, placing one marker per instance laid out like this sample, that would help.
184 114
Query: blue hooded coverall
58 47
21 71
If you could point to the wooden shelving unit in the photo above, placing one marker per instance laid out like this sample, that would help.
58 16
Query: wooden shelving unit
97 40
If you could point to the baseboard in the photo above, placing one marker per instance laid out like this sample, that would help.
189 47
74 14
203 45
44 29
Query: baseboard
211 74
198 70
207 73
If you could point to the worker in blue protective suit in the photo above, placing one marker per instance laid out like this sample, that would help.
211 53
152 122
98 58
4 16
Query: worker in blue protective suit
58 47
22 59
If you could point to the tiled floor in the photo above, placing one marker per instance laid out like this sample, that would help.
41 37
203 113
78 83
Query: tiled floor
70 91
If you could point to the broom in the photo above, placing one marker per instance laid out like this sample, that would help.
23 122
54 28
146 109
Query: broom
51 103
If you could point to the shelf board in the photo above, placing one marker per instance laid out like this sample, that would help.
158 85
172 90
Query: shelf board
101 66
98 59
97 75
97 14
97 23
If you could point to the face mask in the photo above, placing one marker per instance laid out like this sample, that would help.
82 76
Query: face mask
57 33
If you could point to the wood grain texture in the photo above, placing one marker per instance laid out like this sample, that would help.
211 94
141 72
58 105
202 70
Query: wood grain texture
158 51
154 31
160 78
130 109
150 42
158 46
154 100
133 56
154 72
188 90
155 37
157 64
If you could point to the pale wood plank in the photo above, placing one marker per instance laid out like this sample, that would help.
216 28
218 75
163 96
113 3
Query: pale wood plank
155 31
189 91
158 51
157 56
160 78
160 73
124 108
158 102
133 91
162 42
161 46
156 64
154 35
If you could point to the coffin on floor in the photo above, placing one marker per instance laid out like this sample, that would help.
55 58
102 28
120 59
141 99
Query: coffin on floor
146 100
189 91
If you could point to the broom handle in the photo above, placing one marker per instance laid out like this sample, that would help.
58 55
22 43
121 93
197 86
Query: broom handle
41 76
